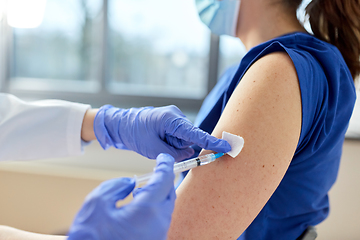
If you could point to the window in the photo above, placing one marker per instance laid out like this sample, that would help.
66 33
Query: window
125 53
231 52
64 47
157 48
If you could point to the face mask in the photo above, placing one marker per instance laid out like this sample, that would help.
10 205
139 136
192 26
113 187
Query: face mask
220 16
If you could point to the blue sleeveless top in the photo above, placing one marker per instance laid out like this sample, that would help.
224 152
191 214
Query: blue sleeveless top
328 97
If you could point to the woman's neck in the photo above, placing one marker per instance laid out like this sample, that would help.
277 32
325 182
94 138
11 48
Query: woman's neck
259 22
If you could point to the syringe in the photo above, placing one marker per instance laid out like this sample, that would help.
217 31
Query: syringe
183 166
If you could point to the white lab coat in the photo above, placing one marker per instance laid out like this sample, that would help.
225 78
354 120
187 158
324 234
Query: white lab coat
40 129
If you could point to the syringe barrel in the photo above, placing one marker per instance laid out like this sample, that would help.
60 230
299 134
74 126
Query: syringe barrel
186 165
183 166
143 178
178 168
208 158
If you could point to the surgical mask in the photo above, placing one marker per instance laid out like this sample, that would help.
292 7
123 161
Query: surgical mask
220 16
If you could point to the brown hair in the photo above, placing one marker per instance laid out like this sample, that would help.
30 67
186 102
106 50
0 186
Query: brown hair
336 22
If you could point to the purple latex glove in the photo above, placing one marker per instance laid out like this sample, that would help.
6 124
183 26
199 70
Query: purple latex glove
147 216
150 131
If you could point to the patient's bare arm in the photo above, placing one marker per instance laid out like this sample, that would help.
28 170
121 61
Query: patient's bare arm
220 200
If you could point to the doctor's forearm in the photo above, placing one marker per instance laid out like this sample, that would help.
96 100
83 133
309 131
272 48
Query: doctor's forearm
87 128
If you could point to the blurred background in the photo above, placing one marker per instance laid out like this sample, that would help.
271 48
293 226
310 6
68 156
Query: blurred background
128 54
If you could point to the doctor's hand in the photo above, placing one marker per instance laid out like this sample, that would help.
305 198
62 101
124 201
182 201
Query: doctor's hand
147 216
150 131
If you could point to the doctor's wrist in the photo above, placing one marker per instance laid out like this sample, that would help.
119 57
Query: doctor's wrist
87 128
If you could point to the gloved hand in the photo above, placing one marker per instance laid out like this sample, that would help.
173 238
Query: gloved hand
150 131
147 216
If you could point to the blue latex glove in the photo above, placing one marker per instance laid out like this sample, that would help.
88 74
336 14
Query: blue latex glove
147 216
151 131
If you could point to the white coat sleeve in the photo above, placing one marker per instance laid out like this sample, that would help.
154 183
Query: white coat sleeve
40 129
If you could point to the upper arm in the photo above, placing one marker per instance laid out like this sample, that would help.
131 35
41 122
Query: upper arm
220 200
